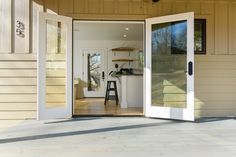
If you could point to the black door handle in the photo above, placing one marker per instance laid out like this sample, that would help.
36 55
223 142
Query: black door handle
103 75
190 68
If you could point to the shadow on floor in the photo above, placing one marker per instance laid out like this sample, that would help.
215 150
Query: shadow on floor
83 132
213 119
74 120
96 117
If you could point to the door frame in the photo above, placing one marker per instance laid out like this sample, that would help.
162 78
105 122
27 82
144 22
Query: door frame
106 21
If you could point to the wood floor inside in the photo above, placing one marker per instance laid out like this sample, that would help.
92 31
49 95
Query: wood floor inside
95 106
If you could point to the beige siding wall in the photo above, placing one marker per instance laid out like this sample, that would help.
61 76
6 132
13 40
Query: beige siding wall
17 86
215 72
18 65
215 82
5 27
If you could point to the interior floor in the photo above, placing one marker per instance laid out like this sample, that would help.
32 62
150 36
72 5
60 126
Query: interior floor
95 106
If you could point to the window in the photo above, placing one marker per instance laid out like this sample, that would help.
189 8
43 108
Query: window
200 36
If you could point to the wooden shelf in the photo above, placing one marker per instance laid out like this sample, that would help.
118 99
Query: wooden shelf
124 60
127 49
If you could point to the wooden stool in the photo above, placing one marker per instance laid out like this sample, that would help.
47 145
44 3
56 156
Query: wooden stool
111 97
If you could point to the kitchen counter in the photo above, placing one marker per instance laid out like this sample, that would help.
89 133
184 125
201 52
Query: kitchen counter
131 94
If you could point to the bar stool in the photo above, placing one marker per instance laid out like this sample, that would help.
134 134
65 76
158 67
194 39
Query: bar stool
109 88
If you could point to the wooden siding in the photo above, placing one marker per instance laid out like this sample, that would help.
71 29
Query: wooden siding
215 82
18 86
21 14
5 27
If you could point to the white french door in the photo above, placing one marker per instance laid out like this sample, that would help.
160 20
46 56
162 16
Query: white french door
169 69
94 72
54 67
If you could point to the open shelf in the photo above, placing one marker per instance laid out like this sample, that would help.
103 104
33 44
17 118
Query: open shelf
124 60
124 49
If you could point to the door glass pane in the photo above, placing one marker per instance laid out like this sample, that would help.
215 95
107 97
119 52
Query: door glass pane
94 71
169 47
55 64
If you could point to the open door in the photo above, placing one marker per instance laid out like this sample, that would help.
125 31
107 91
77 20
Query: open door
169 69
54 67
94 72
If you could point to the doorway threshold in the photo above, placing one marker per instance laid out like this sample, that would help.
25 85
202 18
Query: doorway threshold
105 115
95 107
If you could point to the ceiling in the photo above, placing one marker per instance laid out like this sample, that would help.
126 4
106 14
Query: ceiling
108 30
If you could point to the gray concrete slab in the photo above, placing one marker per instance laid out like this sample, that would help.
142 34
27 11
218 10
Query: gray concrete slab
120 136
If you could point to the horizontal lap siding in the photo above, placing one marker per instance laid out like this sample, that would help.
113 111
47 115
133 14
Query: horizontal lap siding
17 115
215 86
18 85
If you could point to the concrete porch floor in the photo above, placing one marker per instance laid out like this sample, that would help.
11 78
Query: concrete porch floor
120 137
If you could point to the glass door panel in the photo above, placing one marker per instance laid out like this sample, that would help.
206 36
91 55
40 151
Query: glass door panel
169 75
169 48
54 67
94 72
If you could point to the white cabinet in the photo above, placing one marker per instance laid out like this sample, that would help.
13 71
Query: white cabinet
131 92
